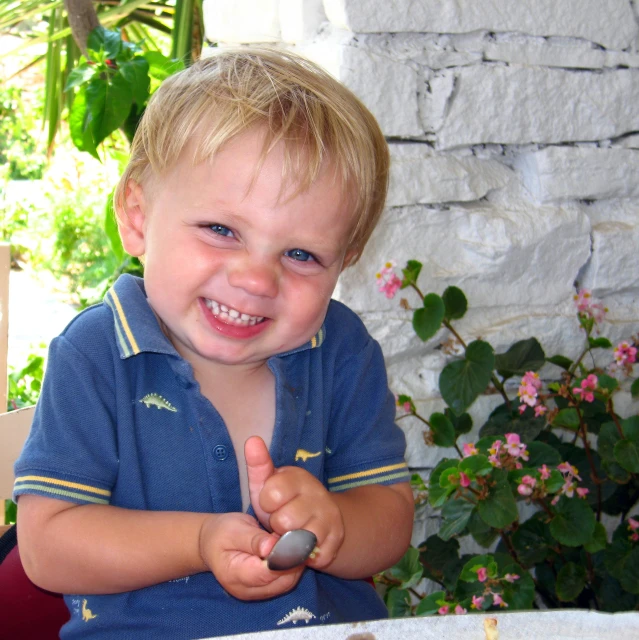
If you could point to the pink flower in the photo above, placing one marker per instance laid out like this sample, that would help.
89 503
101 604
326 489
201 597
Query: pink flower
515 447
633 524
388 282
459 610
524 490
569 487
625 354
582 492
442 611
406 407
531 378
634 537
482 574
477 603
511 577
529 480
470 450
540 410
589 307
544 472
566 467
464 480
588 385
522 408
497 599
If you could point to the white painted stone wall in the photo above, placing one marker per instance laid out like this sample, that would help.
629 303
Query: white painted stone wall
514 131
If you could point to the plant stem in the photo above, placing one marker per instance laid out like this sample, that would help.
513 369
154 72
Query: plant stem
509 545
583 431
615 419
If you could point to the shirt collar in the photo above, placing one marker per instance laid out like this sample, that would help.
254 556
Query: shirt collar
137 328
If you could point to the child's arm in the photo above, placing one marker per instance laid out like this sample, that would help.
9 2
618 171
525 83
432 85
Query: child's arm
71 548
360 531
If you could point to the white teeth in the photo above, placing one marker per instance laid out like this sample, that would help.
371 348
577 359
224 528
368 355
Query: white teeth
232 316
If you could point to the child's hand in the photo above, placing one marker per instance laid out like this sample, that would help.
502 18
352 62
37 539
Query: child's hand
291 498
233 546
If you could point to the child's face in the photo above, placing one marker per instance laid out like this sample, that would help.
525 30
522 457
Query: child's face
237 272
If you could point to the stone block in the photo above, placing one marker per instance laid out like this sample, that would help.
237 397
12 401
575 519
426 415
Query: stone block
239 21
571 173
419 175
523 105
611 24
500 256
387 87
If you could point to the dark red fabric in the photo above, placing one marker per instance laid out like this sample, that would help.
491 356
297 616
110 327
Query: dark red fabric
26 611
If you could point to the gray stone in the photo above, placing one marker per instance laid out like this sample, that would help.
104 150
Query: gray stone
569 173
418 175
611 24
520 105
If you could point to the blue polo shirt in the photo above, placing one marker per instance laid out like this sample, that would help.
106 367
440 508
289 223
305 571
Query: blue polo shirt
121 421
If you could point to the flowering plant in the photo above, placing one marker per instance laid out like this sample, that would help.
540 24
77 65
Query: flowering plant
554 471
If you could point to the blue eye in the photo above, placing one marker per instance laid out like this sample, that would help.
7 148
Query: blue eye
221 230
300 255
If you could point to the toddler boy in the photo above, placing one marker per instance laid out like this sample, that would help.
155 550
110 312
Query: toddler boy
195 416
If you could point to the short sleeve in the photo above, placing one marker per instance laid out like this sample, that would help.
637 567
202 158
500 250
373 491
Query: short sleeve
71 452
366 446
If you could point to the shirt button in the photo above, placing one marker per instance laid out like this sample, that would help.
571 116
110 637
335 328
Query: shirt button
220 452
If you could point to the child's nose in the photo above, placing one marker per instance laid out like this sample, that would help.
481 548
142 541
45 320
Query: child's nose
257 277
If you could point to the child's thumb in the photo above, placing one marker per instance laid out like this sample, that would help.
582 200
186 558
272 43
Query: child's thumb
260 468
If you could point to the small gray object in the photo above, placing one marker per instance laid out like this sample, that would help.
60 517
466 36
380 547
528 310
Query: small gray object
291 550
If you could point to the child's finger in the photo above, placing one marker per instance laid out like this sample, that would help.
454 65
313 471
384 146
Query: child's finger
260 468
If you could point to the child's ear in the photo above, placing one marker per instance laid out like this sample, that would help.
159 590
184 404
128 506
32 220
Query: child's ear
131 218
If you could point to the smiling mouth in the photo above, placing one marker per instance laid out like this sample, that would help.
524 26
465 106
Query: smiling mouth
232 316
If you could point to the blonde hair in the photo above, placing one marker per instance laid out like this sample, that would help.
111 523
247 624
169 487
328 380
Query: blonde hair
296 102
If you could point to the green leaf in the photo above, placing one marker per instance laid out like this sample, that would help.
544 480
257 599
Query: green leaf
608 438
81 74
161 67
499 509
622 559
431 604
630 428
542 453
523 356
598 541
136 73
476 465
469 571
408 569
482 533
462 381
428 319
111 228
599 343
462 424
571 581
455 303
555 482
574 522
520 594
615 472
109 105
105 39
567 418
456 514
411 272
442 429
634 389
398 602
503 420
532 540
627 455
607 383
560 361
437 494
79 128
438 556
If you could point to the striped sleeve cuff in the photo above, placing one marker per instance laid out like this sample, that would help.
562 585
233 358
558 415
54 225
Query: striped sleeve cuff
61 489
388 474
